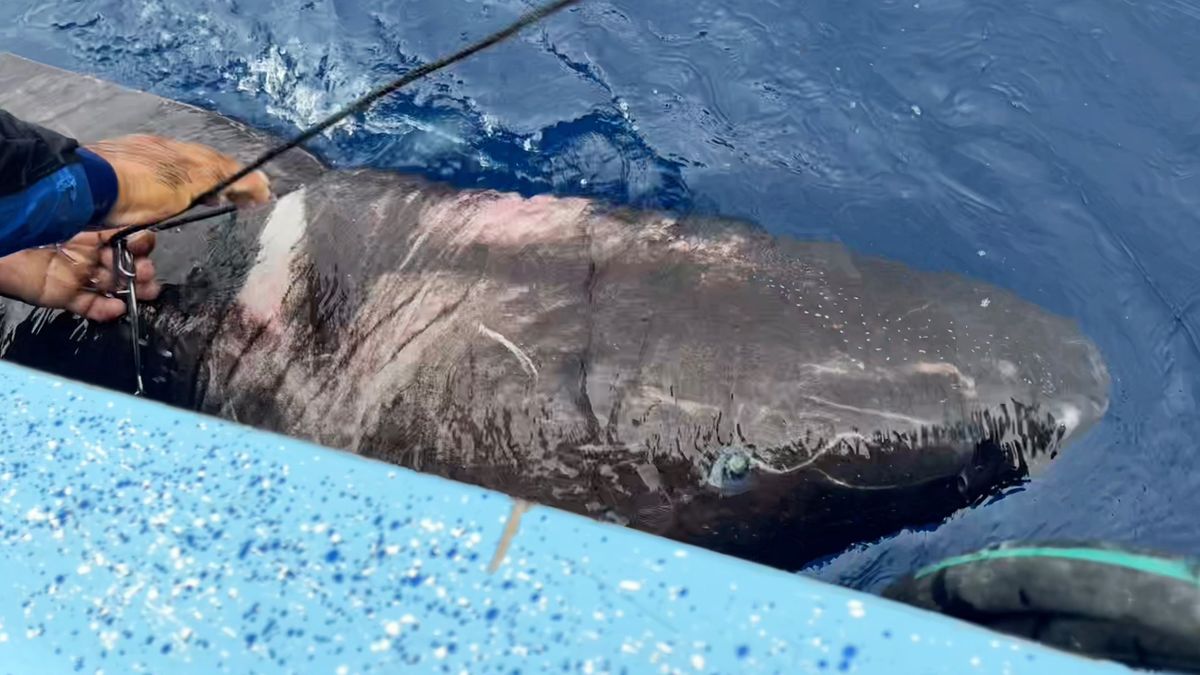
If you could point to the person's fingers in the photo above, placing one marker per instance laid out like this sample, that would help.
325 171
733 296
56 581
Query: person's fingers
217 167
143 270
251 190
104 257
96 307
104 309
100 278
148 290
141 243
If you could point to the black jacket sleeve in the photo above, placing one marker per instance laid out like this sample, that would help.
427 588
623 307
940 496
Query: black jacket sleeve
29 153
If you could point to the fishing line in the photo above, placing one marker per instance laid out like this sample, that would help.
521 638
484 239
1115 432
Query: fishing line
358 106
121 255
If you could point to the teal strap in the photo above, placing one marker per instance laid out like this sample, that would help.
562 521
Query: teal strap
1174 569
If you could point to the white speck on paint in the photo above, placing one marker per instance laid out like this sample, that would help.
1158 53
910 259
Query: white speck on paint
84 569
392 628
915 638
381 645
985 302
343 670
916 110
52 445
981 253
976 662
628 585
698 662
664 647
856 608
408 619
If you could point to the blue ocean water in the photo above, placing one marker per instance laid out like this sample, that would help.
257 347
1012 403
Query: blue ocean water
1050 148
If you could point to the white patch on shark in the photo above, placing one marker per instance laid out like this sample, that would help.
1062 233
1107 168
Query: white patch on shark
412 251
268 281
526 362
916 309
652 397
1006 368
916 421
950 370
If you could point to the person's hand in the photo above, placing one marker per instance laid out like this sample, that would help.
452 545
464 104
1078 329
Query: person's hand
76 276
159 177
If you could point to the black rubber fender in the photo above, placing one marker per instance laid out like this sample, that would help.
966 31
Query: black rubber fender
1138 608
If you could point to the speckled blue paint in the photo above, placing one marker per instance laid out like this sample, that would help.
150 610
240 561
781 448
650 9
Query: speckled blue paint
135 538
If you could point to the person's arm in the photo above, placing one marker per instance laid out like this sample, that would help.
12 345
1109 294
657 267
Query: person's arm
51 189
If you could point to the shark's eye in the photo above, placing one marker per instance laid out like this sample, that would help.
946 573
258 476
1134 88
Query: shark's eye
731 472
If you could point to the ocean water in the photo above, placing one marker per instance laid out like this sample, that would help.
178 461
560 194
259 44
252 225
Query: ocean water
1051 149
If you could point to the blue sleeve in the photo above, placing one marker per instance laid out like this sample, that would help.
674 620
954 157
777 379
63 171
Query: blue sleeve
58 206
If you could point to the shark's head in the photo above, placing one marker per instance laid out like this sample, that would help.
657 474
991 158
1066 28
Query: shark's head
774 399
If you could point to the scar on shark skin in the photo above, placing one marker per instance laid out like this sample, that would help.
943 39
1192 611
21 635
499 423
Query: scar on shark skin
520 506
526 362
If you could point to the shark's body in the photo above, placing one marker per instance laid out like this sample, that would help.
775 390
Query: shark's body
695 378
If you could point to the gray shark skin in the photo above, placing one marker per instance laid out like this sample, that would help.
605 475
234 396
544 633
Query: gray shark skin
690 377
